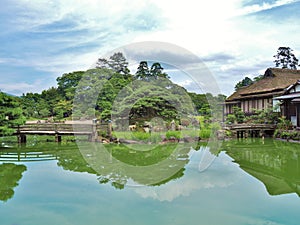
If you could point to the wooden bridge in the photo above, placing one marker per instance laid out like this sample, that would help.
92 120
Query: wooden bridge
60 129
251 130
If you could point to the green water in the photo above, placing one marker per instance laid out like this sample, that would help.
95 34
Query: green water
248 182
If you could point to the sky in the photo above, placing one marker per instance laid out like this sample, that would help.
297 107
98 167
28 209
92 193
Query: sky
43 39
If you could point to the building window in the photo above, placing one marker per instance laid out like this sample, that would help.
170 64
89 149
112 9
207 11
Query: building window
276 105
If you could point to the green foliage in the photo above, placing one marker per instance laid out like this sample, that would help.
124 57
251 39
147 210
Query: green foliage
287 134
67 84
156 71
150 99
94 93
117 62
205 133
284 124
142 70
10 175
199 101
97 91
266 116
215 127
141 135
285 58
152 137
230 119
257 78
11 114
239 114
205 110
243 83
215 105
174 134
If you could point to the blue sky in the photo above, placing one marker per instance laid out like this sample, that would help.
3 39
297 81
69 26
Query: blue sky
41 40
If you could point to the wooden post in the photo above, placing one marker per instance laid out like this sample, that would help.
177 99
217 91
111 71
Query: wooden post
57 138
94 137
22 138
109 130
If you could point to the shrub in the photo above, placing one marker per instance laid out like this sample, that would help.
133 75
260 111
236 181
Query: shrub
172 133
276 133
141 135
264 116
284 124
215 127
205 133
239 114
285 135
230 119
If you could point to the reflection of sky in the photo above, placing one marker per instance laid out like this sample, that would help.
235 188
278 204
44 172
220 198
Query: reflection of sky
222 194
194 180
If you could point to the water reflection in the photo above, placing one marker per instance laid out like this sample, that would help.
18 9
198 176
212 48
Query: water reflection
121 165
10 175
118 165
275 163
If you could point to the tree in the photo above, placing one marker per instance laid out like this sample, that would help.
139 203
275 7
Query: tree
158 98
116 62
50 98
243 83
11 114
29 102
97 91
142 70
62 109
67 84
157 71
199 100
285 58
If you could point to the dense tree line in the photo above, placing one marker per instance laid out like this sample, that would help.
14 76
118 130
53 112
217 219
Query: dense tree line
110 77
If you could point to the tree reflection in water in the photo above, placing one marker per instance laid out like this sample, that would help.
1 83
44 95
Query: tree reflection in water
119 164
10 174
275 163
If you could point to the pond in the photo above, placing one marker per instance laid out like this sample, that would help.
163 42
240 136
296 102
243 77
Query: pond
250 181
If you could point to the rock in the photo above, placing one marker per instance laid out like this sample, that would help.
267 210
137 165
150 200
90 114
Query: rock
124 141
188 139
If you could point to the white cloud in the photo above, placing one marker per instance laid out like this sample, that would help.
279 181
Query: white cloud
193 181
63 36
185 83
261 7
208 30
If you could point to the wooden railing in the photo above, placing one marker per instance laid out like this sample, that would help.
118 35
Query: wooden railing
244 126
59 129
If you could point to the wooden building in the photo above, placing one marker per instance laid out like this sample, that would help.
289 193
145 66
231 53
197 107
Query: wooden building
264 93
290 103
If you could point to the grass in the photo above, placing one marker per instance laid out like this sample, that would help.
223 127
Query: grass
139 136
156 137
205 133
